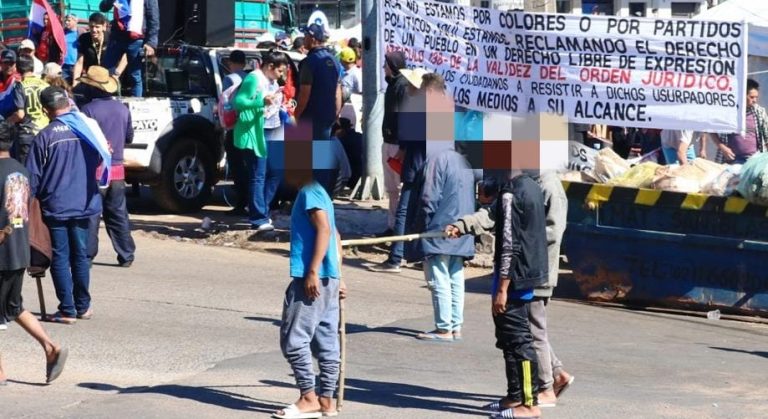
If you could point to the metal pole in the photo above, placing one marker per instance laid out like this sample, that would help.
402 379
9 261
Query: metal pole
371 185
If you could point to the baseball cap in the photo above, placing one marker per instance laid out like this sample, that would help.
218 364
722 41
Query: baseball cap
8 56
348 55
27 44
316 31
52 70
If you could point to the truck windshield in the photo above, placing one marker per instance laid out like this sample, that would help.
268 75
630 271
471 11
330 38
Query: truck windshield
340 14
178 71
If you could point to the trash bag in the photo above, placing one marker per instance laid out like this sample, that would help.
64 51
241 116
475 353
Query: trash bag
640 176
725 183
689 178
609 165
753 179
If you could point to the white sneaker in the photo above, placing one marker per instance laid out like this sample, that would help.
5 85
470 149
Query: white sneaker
3 326
266 227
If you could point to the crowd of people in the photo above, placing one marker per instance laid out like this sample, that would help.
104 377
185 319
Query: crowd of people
61 162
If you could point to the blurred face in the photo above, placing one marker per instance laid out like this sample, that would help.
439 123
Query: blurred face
97 31
46 20
752 97
26 51
308 42
387 71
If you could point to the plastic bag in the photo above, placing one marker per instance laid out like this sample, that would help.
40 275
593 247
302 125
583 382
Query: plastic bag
690 178
640 176
609 165
725 183
753 180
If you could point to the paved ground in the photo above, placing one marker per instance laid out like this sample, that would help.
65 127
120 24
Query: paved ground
191 331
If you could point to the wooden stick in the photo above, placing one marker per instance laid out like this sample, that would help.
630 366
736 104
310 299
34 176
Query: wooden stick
405 238
343 350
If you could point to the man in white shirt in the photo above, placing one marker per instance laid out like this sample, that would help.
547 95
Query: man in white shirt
27 48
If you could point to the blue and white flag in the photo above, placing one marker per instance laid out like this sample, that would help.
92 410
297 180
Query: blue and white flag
88 131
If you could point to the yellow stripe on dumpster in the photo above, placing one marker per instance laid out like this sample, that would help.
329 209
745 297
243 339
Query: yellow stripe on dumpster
694 201
600 193
647 197
736 205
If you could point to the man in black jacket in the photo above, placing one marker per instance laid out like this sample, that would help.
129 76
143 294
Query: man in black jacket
520 265
397 90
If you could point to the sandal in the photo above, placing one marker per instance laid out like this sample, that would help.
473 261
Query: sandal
88 315
293 412
60 318
55 368
510 414
493 407
434 336
561 389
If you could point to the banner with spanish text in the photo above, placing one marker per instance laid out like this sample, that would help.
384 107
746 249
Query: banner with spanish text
619 71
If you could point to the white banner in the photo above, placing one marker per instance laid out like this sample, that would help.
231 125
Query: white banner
633 72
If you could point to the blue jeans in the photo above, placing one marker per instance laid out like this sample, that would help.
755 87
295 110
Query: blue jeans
258 209
116 221
396 252
70 268
275 163
445 278
120 43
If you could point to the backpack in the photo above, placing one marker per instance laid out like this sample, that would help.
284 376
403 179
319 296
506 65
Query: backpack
226 108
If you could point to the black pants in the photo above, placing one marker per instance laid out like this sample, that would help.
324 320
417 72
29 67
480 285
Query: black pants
513 337
21 145
10 295
115 215
237 171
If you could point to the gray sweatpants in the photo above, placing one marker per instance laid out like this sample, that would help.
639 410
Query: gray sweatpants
549 364
312 328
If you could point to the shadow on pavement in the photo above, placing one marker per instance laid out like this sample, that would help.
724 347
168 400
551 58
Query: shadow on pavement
206 395
352 328
757 353
407 396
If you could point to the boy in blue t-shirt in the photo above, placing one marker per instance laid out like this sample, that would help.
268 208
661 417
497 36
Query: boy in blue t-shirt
310 322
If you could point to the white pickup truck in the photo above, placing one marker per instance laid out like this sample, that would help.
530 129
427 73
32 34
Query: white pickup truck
178 145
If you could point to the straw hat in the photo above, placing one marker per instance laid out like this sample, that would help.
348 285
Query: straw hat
414 76
99 77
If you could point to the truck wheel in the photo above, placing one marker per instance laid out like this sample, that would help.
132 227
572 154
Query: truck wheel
186 178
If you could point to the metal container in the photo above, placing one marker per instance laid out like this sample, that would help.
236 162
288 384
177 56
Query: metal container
662 248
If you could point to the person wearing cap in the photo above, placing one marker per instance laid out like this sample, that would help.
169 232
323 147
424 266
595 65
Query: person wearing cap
8 73
62 164
134 34
351 84
70 37
28 117
397 90
27 49
15 256
319 98
114 118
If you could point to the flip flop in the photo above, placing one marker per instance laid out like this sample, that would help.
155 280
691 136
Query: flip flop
510 414
55 368
331 414
88 315
559 392
433 337
293 412
60 318
493 407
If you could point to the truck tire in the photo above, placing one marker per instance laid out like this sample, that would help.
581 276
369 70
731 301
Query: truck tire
187 177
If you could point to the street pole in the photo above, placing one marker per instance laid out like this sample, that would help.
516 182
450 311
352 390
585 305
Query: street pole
371 185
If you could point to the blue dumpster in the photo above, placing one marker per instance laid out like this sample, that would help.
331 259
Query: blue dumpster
660 248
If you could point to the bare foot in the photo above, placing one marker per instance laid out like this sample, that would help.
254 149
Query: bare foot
307 403
326 405
51 352
547 397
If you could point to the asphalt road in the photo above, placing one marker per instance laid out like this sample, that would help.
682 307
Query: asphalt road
191 331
